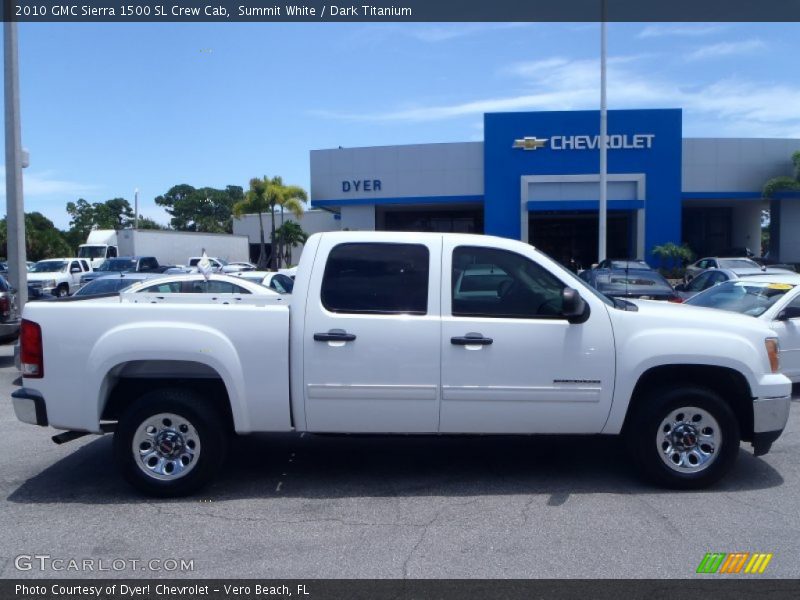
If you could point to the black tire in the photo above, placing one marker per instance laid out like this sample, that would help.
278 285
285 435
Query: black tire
209 426
62 291
644 433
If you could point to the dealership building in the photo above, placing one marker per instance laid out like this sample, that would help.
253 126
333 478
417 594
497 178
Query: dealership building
535 178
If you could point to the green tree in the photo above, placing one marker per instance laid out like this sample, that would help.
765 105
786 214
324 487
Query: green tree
255 201
148 223
42 238
292 200
264 196
201 209
783 184
111 214
291 235
674 256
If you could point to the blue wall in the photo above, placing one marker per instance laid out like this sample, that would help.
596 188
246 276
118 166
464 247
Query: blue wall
661 163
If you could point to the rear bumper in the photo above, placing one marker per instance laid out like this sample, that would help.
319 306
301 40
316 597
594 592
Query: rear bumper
770 416
30 407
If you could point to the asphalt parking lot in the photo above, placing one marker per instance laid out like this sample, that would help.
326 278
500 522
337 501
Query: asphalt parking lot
291 506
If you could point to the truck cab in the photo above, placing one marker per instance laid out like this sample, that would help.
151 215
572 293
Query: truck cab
101 244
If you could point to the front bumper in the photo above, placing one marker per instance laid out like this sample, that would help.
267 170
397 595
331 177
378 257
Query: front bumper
770 416
29 407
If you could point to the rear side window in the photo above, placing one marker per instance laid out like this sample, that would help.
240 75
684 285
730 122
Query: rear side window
376 279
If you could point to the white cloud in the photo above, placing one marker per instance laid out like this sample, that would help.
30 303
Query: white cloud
446 32
726 49
652 31
723 107
46 183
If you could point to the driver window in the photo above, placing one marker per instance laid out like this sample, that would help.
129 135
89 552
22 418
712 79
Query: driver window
488 282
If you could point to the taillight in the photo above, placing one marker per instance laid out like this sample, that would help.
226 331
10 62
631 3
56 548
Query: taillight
30 349
5 307
676 299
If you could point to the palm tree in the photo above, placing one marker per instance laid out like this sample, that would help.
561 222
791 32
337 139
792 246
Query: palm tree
291 236
256 201
282 195
264 195
291 199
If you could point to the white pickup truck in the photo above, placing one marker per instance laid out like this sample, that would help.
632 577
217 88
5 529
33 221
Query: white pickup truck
384 333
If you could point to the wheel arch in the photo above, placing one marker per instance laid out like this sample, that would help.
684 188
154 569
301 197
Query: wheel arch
129 380
730 384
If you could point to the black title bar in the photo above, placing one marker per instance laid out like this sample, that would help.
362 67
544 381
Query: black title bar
224 11
709 588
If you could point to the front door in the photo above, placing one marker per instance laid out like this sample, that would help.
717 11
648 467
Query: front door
510 362
789 335
371 339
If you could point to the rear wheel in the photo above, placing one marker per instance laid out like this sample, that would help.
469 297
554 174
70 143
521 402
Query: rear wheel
683 437
170 442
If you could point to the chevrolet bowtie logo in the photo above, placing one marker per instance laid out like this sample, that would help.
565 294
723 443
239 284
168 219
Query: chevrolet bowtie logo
530 143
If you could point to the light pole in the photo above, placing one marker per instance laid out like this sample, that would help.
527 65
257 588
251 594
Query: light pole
136 208
603 212
15 160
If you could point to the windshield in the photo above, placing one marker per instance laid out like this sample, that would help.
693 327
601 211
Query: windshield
49 266
105 285
92 252
119 265
745 297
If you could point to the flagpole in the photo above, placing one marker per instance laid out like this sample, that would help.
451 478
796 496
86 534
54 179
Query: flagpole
603 212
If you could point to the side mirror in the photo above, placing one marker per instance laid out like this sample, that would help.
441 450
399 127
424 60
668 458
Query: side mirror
573 307
790 312
75 270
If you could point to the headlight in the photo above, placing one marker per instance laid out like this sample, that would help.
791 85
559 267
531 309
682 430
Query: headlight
49 283
773 351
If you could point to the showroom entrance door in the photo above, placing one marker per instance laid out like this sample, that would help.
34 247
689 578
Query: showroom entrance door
573 235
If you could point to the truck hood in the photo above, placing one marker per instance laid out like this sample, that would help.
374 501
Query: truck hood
682 316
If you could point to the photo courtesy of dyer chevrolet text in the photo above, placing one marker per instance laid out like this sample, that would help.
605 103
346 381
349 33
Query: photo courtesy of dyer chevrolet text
161 589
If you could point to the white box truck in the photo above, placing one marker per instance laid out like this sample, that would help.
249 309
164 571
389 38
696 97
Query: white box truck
169 247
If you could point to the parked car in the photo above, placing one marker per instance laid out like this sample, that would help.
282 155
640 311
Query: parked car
773 299
242 266
124 264
712 277
290 271
718 263
615 263
382 343
9 314
58 276
109 284
283 284
629 279
195 287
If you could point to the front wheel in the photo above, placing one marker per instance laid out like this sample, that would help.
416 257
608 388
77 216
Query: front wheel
62 291
170 442
684 437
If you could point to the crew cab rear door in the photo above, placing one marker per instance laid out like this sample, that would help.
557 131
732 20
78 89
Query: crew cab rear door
372 335
511 363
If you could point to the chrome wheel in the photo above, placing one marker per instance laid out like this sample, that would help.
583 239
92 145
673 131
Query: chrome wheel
166 446
689 439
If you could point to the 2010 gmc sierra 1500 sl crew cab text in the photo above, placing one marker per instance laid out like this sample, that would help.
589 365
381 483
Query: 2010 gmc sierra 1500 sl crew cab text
406 333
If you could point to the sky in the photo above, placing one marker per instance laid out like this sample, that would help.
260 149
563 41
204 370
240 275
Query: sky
108 108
